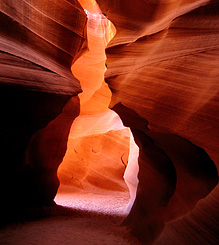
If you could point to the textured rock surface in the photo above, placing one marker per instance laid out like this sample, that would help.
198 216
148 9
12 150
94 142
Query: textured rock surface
38 42
98 143
162 64
95 163
162 70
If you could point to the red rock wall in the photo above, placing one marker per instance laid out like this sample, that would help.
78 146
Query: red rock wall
162 70
39 40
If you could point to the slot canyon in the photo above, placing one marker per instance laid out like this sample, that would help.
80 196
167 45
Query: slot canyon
109 122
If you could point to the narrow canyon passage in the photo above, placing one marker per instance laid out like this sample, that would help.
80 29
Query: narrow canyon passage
91 173
109 122
92 195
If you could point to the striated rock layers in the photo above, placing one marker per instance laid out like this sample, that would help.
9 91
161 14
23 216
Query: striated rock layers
39 40
162 69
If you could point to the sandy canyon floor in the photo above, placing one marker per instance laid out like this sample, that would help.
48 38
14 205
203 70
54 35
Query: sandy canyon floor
79 218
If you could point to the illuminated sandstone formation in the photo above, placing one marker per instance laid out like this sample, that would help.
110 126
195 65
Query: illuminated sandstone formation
95 163
98 145
162 71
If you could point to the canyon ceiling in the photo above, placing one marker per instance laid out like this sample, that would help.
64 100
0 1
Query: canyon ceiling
67 77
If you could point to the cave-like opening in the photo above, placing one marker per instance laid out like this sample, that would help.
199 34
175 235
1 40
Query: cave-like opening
101 152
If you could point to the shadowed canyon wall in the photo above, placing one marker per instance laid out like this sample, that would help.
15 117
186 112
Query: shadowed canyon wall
39 40
162 70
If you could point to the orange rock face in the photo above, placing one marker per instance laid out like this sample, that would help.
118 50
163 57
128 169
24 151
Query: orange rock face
98 144
95 163
63 64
